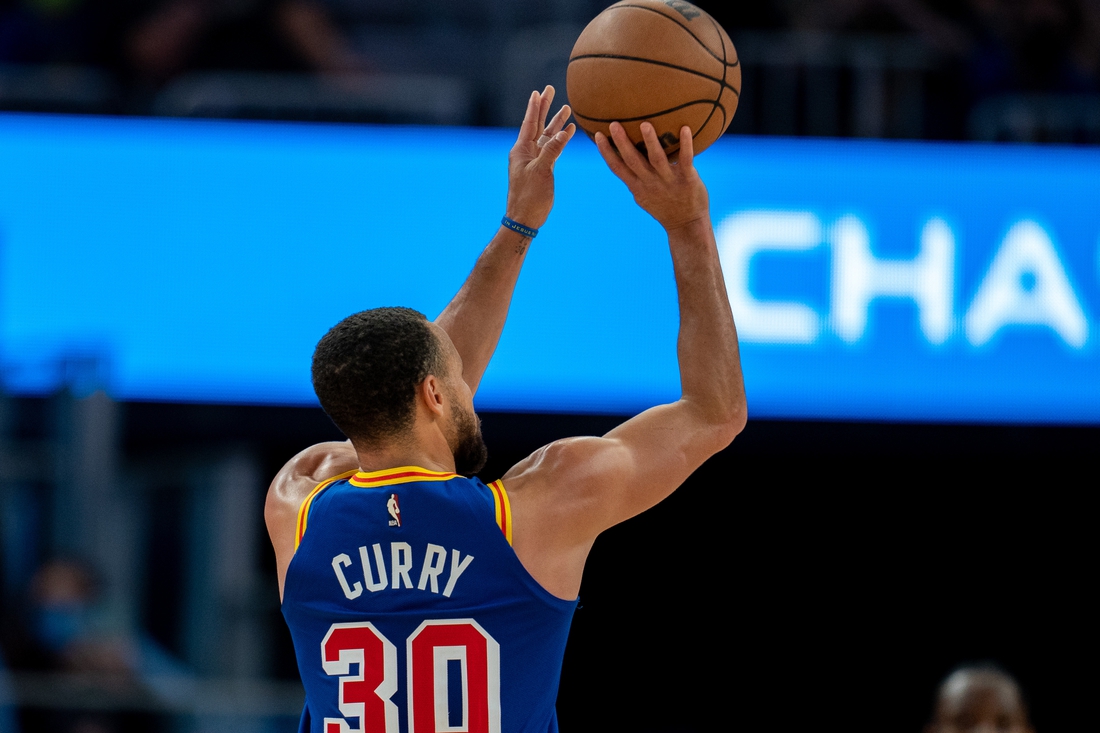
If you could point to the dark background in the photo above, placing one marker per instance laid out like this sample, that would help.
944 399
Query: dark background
812 574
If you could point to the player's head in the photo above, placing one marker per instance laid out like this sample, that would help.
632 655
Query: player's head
371 371
980 699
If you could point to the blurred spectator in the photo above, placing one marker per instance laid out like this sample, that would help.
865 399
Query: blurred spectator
62 634
980 699
58 636
265 35
48 31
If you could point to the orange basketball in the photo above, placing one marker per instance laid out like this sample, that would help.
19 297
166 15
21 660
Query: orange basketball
665 61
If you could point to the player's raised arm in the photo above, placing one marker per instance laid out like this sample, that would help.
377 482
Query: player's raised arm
570 491
475 317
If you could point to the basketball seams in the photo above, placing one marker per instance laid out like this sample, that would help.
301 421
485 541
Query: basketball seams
722 88
672 19
644 117
678 53
717 106
722 40
621 57
690 32
725 85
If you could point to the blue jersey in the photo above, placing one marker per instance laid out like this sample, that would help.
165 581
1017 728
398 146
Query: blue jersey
410 612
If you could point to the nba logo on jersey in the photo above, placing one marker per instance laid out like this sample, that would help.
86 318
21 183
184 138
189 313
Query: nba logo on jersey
395 511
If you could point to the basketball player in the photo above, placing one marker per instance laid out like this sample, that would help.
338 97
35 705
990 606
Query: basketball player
422 600
980 699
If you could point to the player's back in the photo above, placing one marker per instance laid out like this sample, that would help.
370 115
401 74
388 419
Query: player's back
409 610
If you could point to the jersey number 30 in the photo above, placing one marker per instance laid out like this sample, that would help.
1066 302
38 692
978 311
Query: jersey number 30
435 652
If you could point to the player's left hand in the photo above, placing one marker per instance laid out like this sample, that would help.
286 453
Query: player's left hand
531 162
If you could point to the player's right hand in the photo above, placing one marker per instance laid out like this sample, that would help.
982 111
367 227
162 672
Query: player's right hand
531 162
672 193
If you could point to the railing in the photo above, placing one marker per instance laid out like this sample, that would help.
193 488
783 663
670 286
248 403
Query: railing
168 695
57 89
806 83
395 98
794 83
1050 118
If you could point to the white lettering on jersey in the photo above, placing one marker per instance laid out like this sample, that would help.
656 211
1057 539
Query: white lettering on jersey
368 576
338 563
435 559
401 562
457 569
402 559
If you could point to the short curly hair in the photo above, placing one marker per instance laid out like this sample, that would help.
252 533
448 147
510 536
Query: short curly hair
367 367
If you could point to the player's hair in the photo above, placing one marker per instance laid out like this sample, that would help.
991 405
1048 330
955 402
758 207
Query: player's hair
367 367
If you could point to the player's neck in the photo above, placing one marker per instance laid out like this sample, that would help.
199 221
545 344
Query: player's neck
424 447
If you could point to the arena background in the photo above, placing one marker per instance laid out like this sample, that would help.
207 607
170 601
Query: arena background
901 502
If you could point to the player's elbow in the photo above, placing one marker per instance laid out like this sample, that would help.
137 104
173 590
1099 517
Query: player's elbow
735 417
729 425
719 427
721 412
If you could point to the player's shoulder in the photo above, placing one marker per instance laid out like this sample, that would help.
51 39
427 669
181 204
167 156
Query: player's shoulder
561 498
312 466
292 485
571 465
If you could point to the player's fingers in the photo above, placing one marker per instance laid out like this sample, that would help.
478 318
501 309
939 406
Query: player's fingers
655 152
528 130
552 149
545 100
558 123
686 157
611 157
629 154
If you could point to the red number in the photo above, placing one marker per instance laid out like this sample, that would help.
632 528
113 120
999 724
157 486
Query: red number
430 648
366 694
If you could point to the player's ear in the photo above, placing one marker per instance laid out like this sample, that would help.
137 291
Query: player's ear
430 394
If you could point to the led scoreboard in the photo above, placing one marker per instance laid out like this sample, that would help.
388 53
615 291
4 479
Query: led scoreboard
870 280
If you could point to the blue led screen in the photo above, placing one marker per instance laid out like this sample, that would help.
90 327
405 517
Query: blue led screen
870 280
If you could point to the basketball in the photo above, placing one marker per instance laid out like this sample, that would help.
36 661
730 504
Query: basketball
665 61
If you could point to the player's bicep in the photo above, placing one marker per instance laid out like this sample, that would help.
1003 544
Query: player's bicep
659 450
595 483
567 487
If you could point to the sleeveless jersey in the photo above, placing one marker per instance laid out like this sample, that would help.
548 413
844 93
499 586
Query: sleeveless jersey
410 612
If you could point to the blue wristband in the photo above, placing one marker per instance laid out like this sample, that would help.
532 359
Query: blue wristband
515 226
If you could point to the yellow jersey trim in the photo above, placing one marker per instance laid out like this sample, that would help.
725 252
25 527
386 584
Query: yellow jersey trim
303 508
402 475
502 509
